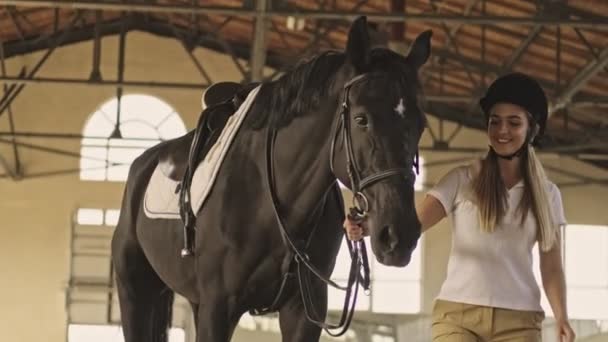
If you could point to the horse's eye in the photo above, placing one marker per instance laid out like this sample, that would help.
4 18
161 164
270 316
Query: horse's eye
361 120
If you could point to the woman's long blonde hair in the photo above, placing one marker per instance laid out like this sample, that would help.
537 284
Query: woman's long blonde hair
490 194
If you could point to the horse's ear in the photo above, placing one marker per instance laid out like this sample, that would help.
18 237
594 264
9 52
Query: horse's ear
358 46
420 49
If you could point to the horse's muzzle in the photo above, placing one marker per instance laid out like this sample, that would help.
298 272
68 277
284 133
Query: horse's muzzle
395 250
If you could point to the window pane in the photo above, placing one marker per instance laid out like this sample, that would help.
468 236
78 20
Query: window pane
586 268
99 125
122 158
127 143
111 218
95 142
587 246
144 120
138 129
89 216
171 127
396 296
137 106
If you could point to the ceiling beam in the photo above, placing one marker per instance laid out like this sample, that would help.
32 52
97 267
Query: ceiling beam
10 97
519 51
7 168
467 12
580 79
103 83
596 22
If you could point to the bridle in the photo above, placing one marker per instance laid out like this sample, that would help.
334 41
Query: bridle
359 271
357 182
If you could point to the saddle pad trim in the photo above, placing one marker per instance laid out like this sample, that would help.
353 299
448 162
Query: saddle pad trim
161 200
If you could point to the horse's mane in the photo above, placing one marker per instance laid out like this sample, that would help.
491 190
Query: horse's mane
297 91
302 89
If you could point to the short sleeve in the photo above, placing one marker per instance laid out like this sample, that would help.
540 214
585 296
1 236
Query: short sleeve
446 190
557 207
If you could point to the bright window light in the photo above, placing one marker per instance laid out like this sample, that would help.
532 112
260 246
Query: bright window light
110 333
111 217
393 290
97 217
587 245
87 216
586 269
382 338
144 122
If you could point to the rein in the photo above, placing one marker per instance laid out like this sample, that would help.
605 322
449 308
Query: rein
358 260
359 269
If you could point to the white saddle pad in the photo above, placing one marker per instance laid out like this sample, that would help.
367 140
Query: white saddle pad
161 199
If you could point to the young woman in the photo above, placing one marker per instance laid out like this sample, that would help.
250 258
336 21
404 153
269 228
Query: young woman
499 207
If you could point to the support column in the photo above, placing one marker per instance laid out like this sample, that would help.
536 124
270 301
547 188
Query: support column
258 48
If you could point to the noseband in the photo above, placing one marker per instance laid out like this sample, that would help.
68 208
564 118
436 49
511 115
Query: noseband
357 182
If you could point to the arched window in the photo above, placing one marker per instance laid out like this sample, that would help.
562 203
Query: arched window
144 121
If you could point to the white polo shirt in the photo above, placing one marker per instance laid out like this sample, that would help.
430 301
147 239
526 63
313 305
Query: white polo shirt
490 269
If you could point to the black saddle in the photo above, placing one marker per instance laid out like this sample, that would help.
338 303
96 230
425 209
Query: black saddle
178 158
220 101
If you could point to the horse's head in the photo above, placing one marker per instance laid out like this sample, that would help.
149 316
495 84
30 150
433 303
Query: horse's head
382 123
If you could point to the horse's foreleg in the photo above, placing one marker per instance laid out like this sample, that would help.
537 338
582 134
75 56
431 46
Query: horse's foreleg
216 320
295 326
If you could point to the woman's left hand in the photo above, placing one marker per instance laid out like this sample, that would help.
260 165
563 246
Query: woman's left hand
565 332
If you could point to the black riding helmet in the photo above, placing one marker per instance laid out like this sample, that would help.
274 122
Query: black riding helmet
521 90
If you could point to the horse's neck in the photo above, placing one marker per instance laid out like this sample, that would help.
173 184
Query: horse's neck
301 162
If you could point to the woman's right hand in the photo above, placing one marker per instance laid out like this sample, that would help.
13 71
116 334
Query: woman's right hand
355 231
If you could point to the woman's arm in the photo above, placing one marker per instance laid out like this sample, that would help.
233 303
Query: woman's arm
554 283
429 212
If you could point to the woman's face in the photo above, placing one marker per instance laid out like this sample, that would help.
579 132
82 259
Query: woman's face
507 128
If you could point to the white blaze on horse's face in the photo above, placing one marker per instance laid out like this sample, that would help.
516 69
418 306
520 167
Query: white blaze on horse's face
400 109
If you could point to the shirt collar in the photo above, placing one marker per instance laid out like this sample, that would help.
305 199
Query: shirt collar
519 184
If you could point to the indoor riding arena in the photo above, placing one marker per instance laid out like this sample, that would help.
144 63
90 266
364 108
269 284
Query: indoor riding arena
96 92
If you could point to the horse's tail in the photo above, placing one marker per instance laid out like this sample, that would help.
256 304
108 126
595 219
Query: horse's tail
161 316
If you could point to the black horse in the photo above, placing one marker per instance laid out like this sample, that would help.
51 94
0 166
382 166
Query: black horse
352 116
